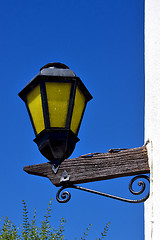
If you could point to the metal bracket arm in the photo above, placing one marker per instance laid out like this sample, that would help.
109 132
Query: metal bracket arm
63 197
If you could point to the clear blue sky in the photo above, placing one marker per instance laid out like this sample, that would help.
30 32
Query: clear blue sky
102 41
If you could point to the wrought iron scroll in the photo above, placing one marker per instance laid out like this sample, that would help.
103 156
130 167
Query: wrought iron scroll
63 197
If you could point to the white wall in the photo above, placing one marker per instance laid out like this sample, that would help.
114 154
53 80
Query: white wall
152 115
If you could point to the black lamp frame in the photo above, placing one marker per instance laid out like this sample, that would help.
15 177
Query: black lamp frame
51 136
40 80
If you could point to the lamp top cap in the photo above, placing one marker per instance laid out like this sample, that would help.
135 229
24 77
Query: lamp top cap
56 69
55 65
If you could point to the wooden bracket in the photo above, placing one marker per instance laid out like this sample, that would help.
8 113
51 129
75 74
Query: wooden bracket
96 167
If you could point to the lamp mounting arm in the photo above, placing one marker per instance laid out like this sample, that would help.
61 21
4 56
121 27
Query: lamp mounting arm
63 197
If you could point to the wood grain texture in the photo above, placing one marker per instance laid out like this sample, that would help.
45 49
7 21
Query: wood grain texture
96 167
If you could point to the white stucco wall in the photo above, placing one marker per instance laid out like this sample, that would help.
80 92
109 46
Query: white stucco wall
152 115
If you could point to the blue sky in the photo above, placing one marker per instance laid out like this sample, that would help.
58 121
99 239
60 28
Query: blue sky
102 41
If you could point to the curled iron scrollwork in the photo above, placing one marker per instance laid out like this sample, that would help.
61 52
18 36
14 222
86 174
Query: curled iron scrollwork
63 197
142 184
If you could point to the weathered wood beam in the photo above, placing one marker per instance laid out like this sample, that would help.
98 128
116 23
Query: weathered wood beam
96 167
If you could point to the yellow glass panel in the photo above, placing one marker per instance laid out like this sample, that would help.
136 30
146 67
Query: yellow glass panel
58 95
79 105
34 102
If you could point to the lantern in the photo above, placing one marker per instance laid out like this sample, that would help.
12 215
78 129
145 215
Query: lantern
56 100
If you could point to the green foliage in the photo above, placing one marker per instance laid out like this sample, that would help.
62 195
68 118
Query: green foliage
86 232
104 233
9 231
30 231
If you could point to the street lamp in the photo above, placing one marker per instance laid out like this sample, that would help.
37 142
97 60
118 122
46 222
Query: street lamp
56 100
